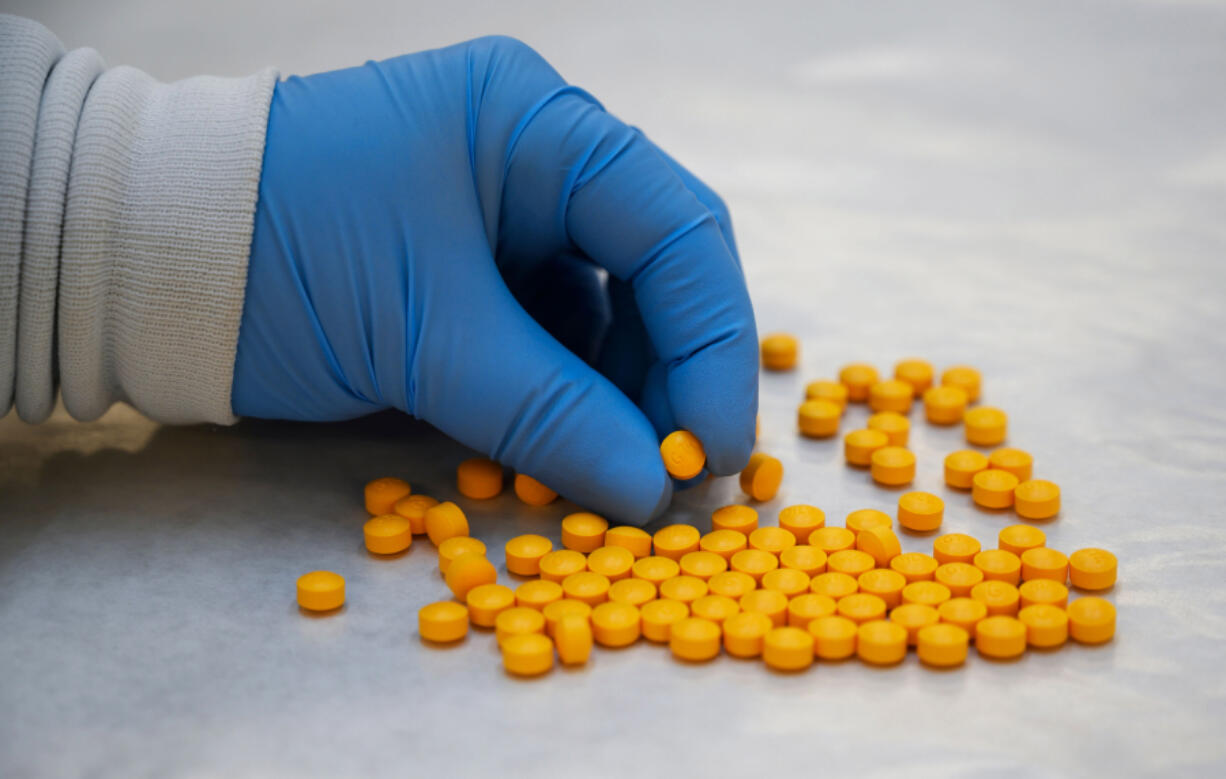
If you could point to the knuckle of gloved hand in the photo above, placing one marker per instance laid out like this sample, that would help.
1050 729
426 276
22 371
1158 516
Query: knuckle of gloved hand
499 49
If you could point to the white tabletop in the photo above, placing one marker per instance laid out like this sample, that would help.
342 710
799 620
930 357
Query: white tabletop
1036 189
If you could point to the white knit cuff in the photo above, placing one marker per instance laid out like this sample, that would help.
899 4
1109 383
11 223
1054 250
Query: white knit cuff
157 230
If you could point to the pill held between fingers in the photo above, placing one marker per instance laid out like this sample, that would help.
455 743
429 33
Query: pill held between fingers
468 571
896 427
614 562
788 649
658 617
413 508
637 540
1016 461
918 373
1000 637
479 478
382 494
694 639
527 655
538 594
321 591
772 603
1091 620
859 445
387 534
583 531
573 639
532 492
920 512
560 563
944 405
807 559
780 352
454 547
446 520
942 645
486 601
824 389
964 378
1046 625
881 642
985 426
683 454
675 541
1019 538
857 378
616 624
742 519
1092 569
524 554
961 467
818 418
744 632
442 622
993 489
762 476
890 395
1036 499
834 637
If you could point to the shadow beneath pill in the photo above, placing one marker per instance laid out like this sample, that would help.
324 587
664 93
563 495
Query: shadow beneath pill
443 644
376 556
318 614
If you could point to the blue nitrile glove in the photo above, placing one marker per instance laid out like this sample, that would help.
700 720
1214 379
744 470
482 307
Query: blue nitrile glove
430 233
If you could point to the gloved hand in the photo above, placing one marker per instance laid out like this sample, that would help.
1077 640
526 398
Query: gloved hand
432 229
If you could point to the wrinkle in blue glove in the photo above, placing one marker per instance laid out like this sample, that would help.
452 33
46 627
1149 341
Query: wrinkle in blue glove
434 234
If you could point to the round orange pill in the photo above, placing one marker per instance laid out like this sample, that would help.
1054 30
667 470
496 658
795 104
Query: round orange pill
413 508
944 405
1045 591
573 637
993 489
732 584
920 512
716 608
772 603
881 642
321 591
880 543
754 562
964 378
479 478
852 562
527 655
985 426
468 571
834 637
890 395
961 467
518 621
761 478
387 534
896 427
915 566
918 373
893 466
744 632
537 594
803 609
1092 569
561 609
446 520
1046 625
789 581
636 540
824 389
771 539
858 377
532 492
779 352
724 543
591 588
675 541
942 645
802 557
655 569
836 585
861 607
1036 499
884 583
999 597
442 622
583 531
863 519
912 617
616 624
454 547
955 548
524 554
742 519
958 577
560 563
1000 637
684 589
818 418
614 562
486 601
999 565
1091 620
659 616
1019 538
788 649
859 445
832 539
926 593
1015 461
683 454
694 639
702 565
801 520
382 494
636 592
963 612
